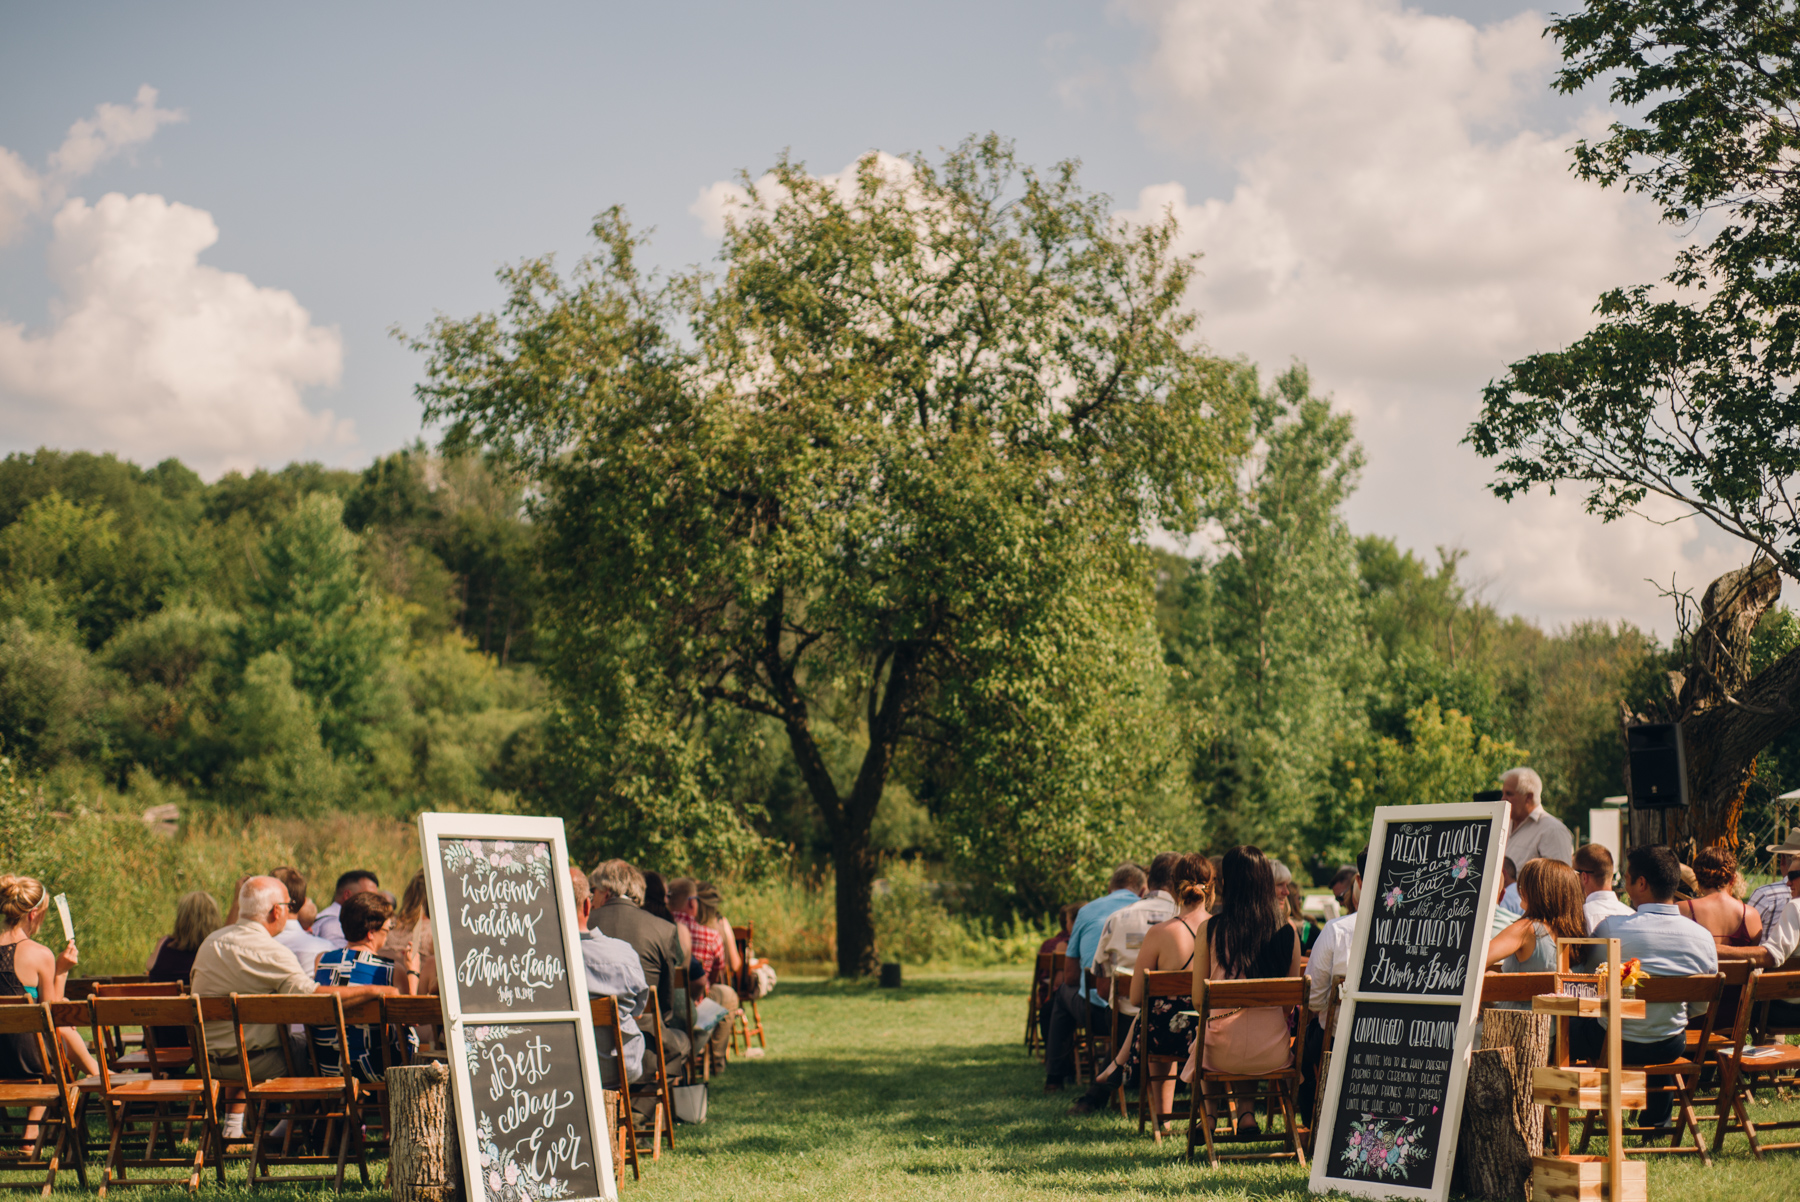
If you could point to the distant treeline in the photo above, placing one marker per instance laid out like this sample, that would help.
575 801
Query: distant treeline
307 640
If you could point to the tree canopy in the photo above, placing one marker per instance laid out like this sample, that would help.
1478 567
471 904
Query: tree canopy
885 481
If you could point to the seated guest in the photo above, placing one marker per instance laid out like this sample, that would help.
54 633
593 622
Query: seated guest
1246 938
412 930
243 957
1594 865
326 925
1551 893
307 947
1666 945
1716 907
618 893
1167 947
196 917
706 910
1770 900
614 970
365 918
1074 1007
1793 883
29 968
1504 915
705 950
1122 934
1509 896
1060 940
1330 958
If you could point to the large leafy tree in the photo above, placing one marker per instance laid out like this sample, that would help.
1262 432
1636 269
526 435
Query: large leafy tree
1685 389
884 484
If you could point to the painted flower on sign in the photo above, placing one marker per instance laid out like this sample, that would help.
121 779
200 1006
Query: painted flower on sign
1393 897
1380 1148
1460 869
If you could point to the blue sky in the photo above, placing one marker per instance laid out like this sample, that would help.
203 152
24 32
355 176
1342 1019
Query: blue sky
1379 190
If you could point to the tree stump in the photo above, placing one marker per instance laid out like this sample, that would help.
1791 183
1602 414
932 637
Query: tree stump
424 1164
1502 1128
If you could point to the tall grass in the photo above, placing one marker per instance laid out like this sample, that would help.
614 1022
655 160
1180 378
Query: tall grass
123 881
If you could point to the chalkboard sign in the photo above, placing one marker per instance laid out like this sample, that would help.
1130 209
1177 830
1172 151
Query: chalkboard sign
1429 890
525 1080
1389 1113
1400 1055
506 925
534 1135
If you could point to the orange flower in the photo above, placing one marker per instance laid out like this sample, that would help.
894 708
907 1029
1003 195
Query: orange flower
1632 972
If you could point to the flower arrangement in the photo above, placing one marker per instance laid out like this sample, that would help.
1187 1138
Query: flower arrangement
1631 975
1393 897
1378 1148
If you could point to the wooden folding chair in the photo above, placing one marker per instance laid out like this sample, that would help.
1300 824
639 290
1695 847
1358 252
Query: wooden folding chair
700 1058
1151 1069
663 1117
1034 1001
1744 1062
336 1097
1093 1051
752 1016
1680 1076
78 989
372 1095
148 1058
1334 999
156 1099
56 1130
1280 1086
605 1012
423 1012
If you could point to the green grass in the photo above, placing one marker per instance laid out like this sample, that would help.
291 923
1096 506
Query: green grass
926 1092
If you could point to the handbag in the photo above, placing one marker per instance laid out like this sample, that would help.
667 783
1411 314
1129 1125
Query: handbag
689 1102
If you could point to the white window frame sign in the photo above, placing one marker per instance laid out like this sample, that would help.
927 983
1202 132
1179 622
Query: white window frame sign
566 1004
1467 999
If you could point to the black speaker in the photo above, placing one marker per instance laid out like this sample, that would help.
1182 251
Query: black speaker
1658 766
1490 795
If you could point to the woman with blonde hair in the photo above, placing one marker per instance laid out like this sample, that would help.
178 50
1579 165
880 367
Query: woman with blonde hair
1551 893
28 968
412 930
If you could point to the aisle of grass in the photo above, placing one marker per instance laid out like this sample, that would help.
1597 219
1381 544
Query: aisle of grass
925 1092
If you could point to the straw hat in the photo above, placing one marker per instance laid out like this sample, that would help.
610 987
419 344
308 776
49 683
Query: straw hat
1789 846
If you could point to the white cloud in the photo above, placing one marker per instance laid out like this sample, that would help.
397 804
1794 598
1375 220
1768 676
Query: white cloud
722 199
26 193
151 353
1399 225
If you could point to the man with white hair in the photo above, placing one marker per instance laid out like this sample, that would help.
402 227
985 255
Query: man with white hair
245 958
1536 832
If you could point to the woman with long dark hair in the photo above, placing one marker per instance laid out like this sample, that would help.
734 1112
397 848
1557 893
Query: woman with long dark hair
1247 938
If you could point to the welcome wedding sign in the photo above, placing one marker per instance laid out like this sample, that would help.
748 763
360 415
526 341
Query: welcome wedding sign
1400 1055
525 1078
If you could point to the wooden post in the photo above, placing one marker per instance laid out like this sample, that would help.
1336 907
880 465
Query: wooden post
1615 1076
423 1160
1502 1129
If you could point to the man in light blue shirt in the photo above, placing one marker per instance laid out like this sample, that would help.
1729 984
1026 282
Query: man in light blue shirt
1667 944
1075 1007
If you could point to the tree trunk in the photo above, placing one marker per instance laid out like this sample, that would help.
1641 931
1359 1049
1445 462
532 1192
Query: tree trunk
423 1160
1502 1129
1728 717
855 863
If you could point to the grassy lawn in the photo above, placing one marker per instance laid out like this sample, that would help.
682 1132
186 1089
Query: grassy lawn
926 1092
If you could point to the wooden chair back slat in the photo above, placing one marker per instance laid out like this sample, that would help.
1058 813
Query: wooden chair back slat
1775 987
69 1014
1686 990
1265 991
426 1010
1515 986
138 989
313 1009
140 1011
1178 983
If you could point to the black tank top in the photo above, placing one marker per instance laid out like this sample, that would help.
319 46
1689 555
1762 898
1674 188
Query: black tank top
18 1053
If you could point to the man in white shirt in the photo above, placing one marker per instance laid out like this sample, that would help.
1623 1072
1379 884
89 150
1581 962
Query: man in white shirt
1122 935
326 925
1535 831
1330 958
1772 898
1594 865
306 948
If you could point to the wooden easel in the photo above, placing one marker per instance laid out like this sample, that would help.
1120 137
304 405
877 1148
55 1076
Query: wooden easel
1569 1178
